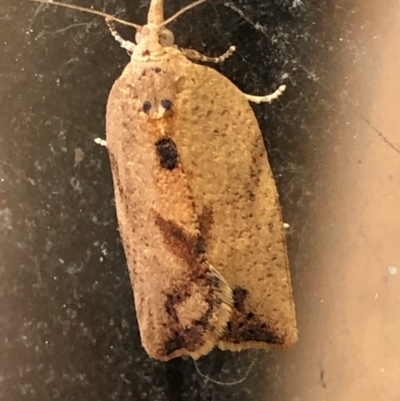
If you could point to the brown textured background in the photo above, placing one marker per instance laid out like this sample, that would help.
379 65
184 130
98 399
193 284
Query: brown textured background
67 327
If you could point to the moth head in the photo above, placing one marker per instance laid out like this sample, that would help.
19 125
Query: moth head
165 36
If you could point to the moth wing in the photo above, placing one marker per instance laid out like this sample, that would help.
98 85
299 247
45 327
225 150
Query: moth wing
236 199
182 303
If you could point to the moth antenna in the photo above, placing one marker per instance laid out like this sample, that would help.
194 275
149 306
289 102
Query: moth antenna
125 44
89 11
196 56
267 98
183 10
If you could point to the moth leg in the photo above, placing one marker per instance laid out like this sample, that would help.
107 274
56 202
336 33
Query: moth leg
196 56
125 44
266 98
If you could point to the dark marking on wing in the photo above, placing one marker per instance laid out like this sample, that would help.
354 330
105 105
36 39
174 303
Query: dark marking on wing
204 321
190 248
157 70
322 378
189 338
200 247
206 221
166 104
181 244
167 153
192 337
117 181
257 153
216 282
172 300
251 196
253 331
247 326
239 296
146 106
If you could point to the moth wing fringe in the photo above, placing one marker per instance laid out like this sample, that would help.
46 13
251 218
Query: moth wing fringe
225 296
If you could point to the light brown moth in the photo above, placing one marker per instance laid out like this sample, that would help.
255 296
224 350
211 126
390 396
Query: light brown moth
197 205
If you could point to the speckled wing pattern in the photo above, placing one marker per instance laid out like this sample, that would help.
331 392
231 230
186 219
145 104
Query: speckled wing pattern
182 303
235 196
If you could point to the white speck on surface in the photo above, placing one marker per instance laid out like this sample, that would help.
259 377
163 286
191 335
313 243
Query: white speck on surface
100 141
103 249
297 3
6 219
392 270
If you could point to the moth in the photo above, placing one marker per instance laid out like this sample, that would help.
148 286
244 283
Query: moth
197 206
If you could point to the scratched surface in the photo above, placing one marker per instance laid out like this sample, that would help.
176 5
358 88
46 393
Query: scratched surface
67 324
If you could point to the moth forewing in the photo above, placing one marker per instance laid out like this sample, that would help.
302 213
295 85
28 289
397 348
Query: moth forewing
182 303
238 207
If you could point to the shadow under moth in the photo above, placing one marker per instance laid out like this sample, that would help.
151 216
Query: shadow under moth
197 205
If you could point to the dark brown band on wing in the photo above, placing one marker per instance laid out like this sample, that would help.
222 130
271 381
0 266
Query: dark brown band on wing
247 327
185 246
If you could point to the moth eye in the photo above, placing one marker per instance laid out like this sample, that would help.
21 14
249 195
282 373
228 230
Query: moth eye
166 104
167 153
166 38
146 106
